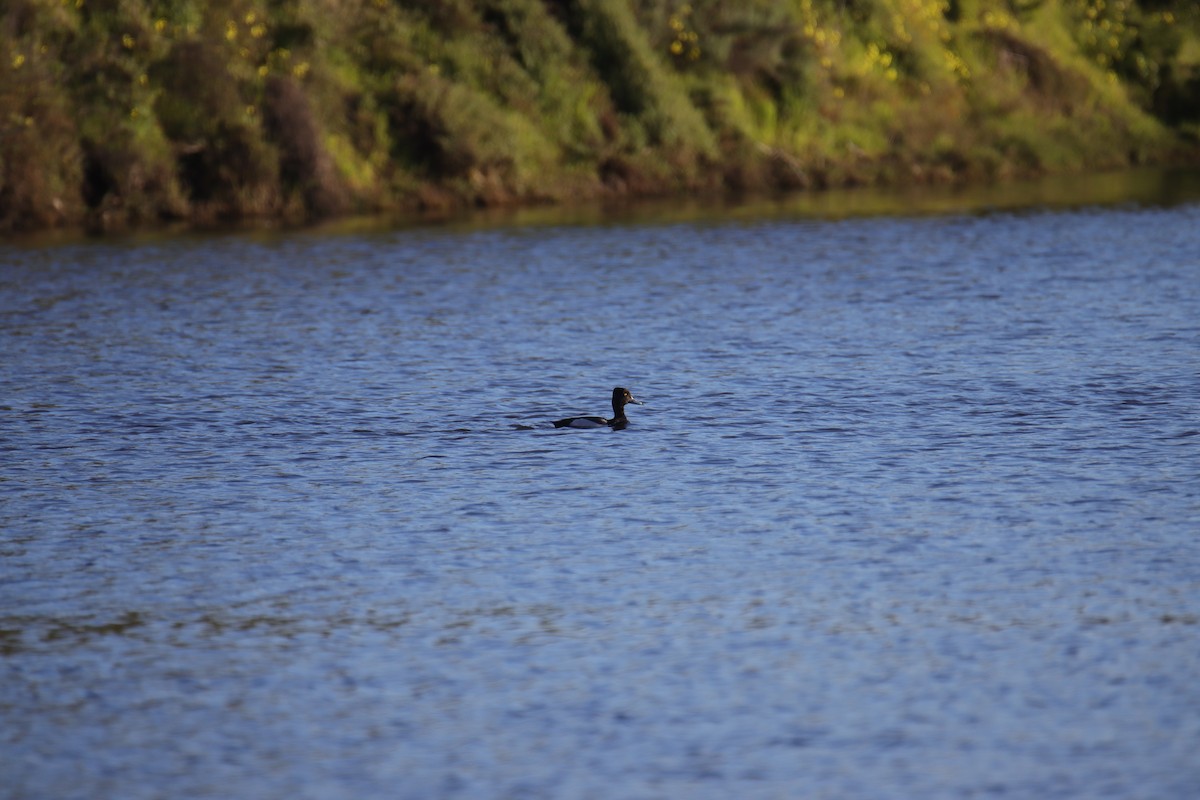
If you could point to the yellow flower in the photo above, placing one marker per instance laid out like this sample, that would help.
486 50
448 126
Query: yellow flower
18 61
127 41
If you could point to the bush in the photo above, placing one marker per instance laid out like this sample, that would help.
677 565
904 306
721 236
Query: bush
305 168
139 110
636 78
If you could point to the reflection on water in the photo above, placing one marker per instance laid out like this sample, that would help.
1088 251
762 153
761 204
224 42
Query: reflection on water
909 511
1154 186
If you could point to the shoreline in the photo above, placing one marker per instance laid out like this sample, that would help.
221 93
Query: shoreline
1138 187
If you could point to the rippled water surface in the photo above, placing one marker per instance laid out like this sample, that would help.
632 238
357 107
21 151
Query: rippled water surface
911 511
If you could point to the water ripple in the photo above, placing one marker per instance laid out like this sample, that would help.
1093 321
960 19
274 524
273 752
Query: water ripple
286 514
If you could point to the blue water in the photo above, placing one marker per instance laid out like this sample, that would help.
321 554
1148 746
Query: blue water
912 510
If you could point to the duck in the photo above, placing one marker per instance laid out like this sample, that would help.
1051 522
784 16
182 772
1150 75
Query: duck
620 396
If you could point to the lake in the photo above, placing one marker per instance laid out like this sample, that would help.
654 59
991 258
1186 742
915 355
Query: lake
911 509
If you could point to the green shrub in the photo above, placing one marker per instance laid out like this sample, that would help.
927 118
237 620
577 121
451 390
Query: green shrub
636 77
138 110
40 160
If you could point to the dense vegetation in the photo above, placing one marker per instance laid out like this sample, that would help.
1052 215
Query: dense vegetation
117 112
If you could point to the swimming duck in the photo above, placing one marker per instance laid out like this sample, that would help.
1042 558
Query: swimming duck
620 397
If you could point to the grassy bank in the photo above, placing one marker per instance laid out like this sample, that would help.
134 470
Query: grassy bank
134 112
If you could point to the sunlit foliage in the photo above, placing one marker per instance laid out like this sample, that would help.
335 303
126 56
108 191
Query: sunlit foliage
134 111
